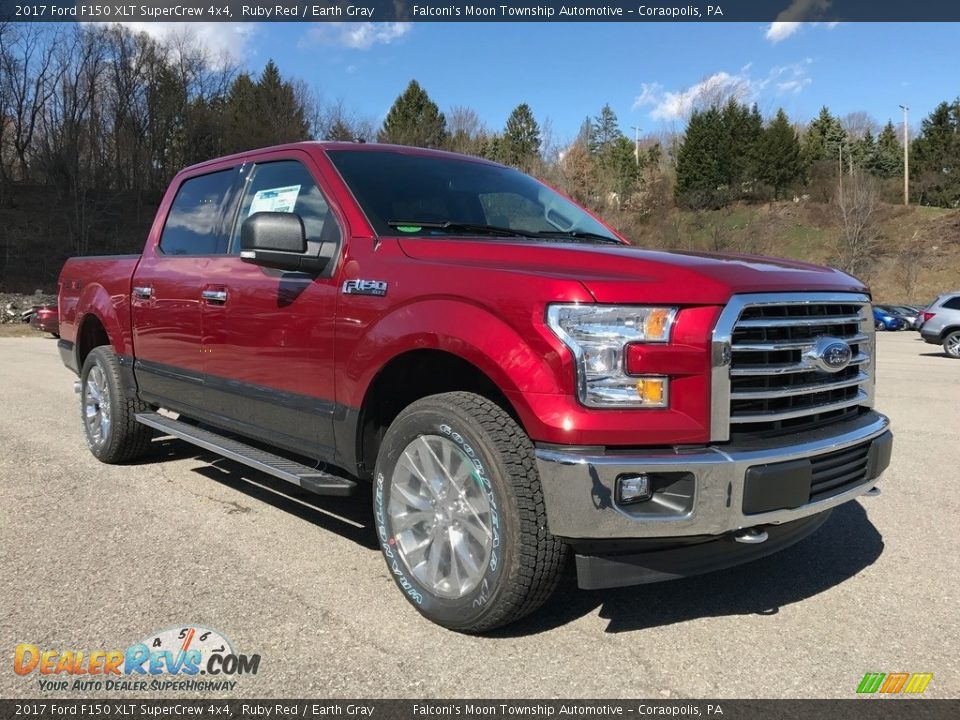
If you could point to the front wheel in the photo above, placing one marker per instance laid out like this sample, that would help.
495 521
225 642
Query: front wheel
878 325
460 514
951 344
108 410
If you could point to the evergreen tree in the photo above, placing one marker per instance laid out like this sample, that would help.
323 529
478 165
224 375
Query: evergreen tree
604 130
864 151
414 120
701 176
521 138
935 157
262 113
281 111
779 162
616 171
823 138
887 158
743 130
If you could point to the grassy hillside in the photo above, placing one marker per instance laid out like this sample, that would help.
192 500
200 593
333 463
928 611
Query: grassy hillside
916 256
917 253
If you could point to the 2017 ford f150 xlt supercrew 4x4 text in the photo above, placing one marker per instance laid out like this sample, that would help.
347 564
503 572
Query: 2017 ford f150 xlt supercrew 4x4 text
516 381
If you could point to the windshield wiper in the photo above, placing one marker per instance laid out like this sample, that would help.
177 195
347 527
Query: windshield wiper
415 225
577 235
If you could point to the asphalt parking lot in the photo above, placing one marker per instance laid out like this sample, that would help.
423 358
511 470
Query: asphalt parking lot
95 556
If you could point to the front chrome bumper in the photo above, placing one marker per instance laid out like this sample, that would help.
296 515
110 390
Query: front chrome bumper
579 486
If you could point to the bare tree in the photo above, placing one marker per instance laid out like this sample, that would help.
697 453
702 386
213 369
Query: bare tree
858 208
910 264
334 120
465 128
718 90
857 124
30 74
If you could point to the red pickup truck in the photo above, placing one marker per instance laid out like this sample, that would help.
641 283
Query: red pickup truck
516 381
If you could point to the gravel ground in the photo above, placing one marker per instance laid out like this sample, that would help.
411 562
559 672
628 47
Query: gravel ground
95 556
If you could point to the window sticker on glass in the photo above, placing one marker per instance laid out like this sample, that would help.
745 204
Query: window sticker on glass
280 199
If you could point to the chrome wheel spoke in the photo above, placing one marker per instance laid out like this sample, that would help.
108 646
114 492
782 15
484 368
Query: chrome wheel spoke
463 553
441 518
454 578
96 405
479 531
412 498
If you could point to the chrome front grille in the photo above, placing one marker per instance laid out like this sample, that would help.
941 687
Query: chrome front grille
766 377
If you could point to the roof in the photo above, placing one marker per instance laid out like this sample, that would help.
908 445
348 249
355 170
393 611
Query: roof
325 145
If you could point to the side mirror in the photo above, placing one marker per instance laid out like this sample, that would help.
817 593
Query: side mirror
274 239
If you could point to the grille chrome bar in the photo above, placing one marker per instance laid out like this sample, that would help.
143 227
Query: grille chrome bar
790 414
810 321
794 345
764 379
798 389
787 369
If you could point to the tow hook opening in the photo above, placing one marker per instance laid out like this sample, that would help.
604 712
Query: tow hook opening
751 536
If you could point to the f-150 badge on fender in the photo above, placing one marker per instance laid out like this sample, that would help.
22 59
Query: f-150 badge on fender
365 287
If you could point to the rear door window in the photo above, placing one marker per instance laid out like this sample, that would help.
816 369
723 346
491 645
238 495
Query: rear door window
953 303
194 224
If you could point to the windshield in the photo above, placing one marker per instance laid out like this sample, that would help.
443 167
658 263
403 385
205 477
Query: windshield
397 191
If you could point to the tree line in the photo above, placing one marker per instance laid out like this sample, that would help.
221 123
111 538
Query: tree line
97 119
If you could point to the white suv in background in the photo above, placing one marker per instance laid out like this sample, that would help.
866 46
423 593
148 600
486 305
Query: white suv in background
941 323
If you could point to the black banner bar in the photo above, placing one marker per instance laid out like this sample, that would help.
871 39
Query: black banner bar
872 708
487 11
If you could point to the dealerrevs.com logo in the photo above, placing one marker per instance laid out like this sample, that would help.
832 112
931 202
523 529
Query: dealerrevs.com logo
187 657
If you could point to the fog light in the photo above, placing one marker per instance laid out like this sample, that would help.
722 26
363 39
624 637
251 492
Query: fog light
632 488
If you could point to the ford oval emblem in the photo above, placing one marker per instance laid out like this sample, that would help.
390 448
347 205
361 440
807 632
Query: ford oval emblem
829 355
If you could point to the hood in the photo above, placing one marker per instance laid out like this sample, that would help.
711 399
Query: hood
624 274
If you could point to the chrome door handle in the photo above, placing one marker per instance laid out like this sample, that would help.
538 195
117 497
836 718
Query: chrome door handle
143 292
218 296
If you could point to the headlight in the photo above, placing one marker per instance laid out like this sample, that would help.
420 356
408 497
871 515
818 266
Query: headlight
597 335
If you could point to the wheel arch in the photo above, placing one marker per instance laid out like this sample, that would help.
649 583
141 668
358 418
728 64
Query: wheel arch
408 377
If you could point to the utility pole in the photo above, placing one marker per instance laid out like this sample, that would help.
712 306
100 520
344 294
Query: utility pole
906 154
840 175
636 144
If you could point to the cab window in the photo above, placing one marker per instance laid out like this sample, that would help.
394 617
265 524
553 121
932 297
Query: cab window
287 186
193 225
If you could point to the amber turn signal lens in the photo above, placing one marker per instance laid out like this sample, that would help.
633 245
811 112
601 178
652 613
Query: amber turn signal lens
656 325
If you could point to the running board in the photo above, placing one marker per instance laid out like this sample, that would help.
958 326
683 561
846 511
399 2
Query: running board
306 477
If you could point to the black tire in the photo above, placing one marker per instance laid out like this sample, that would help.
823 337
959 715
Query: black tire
951 344
878 325
526 560
124 439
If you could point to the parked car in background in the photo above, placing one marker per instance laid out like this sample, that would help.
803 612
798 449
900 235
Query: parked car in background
885 320
910 316
941 323
46 319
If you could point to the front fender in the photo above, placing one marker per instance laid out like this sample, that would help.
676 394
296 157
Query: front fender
517 362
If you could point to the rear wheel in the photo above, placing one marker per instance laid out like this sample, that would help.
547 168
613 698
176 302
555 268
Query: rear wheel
951 344
108 410
460 514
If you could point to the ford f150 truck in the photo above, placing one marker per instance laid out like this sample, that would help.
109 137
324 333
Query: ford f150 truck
517 382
